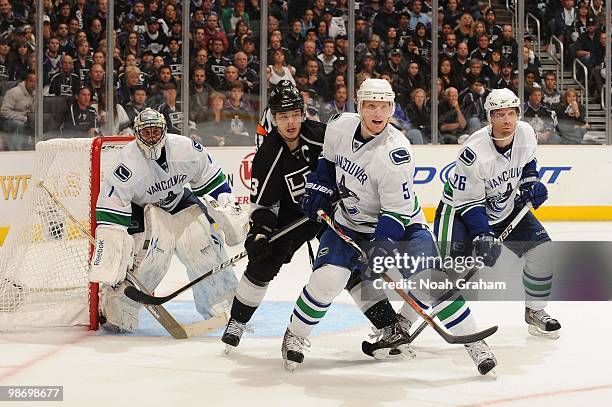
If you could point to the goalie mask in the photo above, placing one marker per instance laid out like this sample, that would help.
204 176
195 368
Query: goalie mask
150 129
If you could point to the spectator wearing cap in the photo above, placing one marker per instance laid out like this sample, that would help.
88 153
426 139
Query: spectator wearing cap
493 29
587 43
385 18
341 65
154 39
9 20
137 103
80 119
65 82
230 17
128 24
341 44
394 64
542 119
17 104
328 57
504 80
417 16
6 68
368 66
301 78
451 122
472 101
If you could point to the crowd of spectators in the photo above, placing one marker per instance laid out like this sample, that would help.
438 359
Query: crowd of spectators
307 44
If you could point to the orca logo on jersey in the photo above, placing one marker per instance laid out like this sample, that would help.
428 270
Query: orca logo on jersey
123 173
468 157
198 147
400 156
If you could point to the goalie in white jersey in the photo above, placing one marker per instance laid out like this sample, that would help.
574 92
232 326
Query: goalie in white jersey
369 165
494 177
145 214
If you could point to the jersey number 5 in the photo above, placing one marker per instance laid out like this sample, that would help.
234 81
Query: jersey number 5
406 189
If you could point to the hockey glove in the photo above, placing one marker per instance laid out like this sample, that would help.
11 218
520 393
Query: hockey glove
257 243
487 247
381 248
318 195
534 192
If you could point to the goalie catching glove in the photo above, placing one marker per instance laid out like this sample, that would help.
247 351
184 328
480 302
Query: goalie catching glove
113 255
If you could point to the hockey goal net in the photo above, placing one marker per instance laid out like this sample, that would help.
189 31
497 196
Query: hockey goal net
44 261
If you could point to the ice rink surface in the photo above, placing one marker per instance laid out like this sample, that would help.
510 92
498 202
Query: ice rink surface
150 368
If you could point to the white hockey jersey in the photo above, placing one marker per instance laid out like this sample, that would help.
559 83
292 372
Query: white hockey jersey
484 177
374 178
135 179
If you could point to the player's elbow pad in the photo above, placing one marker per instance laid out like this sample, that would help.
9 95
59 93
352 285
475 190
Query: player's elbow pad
476 221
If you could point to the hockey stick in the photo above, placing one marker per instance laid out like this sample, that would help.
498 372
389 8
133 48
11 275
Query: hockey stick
176 329
468 276
448 337
146 298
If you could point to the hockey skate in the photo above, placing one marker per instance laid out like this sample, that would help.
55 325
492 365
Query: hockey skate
292 350
482 356
391 342
541 324
232 334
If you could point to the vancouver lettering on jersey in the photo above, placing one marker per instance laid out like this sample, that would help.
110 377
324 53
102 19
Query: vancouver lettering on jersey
352 168
162 185
504 177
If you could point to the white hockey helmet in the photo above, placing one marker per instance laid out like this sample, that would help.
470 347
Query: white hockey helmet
377 90
501 99
150 118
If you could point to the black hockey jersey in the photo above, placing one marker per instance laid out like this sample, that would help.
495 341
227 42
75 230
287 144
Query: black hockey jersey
279 175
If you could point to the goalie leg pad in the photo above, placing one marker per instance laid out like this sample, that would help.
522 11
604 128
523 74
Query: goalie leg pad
118 309
200 248
113 255
154 247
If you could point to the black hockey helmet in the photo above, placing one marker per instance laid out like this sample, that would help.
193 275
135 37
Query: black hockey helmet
284 97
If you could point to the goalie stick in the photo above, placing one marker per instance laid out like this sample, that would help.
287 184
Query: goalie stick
519 216
146 298
448 337
170 324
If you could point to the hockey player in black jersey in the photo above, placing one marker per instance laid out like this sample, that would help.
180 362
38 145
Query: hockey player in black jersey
289 152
